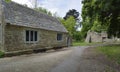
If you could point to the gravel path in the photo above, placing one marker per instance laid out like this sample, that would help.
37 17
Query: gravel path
42 62
72 59
64 60
70 64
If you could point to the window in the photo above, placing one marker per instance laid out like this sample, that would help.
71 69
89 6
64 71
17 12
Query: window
27 36
36 36
59 37
31 36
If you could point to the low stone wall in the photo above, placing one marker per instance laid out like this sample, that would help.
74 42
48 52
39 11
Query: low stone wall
15 39
100 37
113 40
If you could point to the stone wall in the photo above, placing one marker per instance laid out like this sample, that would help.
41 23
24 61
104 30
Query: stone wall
100 37
15 39
96 37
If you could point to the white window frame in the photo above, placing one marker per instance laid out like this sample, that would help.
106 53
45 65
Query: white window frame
30 36
61 38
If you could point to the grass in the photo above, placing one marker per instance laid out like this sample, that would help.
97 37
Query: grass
112 52
83 44
1 54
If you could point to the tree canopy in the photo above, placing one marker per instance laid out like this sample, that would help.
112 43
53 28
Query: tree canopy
7 0
101 15
69 24
71 21
43 10
73 13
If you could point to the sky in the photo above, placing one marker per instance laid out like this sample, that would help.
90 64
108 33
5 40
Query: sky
61 7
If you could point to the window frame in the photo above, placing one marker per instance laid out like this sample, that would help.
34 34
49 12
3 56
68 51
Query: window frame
29 41
61 37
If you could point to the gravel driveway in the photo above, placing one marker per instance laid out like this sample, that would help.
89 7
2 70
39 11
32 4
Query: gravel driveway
64 60
70 64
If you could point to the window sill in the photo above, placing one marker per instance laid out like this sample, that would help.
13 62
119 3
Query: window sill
59 40
31 41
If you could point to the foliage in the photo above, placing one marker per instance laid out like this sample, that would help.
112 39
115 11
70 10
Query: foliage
78 43
77 36
43 10
7 0
69 24
73 13
101 15
1 54
72 22
112 52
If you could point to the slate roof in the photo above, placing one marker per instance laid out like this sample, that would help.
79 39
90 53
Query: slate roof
20 15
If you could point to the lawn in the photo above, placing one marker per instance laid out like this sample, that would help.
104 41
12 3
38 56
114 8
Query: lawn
84 44
112 52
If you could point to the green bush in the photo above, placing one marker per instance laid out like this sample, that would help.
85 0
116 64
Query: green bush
1 54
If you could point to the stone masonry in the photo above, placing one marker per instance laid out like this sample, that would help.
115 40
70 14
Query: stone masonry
96 37
15 39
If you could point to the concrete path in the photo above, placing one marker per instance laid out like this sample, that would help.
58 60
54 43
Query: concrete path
65 60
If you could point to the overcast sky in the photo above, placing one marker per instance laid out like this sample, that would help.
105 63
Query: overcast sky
59 6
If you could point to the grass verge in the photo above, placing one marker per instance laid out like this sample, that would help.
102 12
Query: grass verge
1 54
112 52
84 44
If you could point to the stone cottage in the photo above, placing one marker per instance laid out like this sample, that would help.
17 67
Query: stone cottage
22 28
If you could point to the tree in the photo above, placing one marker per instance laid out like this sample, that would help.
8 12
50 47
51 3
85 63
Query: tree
7 0
72 22
49 13
73 13
43 10
77 36
101 15
69 23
